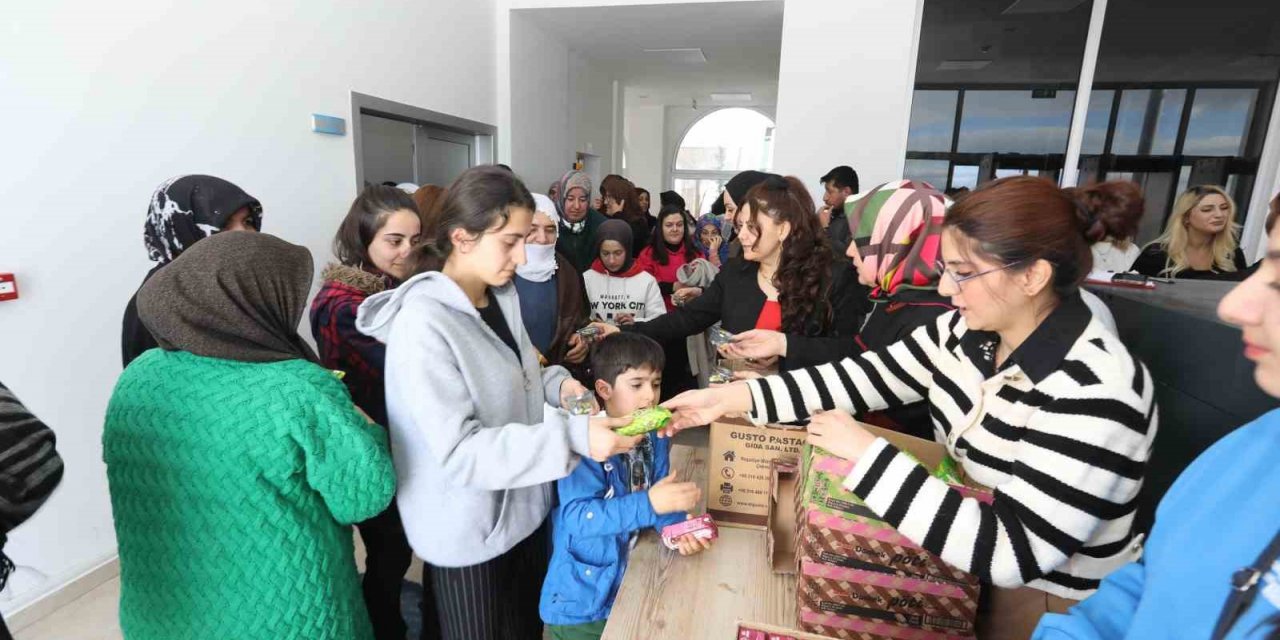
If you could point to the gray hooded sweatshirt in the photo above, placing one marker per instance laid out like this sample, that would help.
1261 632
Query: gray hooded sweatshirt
474 454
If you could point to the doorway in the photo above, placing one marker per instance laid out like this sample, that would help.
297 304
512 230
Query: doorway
398 143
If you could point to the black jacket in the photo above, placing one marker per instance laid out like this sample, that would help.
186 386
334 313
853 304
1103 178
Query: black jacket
134 336
887 322
1153 260
734 299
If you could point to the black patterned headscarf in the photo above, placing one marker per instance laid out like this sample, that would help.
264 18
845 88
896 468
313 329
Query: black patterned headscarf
189 208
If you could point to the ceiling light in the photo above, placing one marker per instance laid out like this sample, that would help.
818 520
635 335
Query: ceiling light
681 55
962 65
731 97
1041 6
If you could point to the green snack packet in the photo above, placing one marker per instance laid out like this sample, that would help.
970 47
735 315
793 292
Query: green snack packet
947 471
646 420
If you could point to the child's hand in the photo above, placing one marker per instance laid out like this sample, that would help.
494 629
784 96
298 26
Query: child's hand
669 496
690 544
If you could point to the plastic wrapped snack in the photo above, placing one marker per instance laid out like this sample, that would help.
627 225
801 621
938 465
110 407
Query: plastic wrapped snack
719 337
589 333
582 404
700 526
720 374
646 420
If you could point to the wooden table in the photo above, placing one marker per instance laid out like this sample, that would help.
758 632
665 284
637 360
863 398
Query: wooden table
664 595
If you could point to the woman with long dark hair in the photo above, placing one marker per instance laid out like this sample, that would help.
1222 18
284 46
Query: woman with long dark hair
781 284
896 230
1027 390
670 247
475 454
372 246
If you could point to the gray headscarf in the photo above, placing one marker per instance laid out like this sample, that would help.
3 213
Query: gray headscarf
237 295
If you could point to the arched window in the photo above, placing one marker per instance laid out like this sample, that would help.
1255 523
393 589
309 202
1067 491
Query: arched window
718 147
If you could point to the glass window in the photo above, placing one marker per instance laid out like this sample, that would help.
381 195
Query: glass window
1213 85
964 175
727 140
932 171
699 195
933 120
1015 121
1219 120
1096 122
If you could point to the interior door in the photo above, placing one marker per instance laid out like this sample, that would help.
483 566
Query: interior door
386 147
440 155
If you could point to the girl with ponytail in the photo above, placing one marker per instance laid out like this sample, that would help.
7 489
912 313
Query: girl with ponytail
475 455
1030 394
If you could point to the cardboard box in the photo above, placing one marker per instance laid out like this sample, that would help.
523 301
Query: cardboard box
761 631
737 490
781 532
860 578
830 595
838 542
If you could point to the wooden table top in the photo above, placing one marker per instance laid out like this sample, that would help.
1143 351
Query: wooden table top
664 595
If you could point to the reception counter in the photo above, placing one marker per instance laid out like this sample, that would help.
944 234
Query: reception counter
1204 385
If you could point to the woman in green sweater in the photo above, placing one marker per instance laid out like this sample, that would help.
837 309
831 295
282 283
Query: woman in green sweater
236 463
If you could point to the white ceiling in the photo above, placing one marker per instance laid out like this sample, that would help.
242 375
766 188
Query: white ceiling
742 42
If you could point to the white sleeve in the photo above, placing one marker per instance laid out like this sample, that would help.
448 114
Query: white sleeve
653 304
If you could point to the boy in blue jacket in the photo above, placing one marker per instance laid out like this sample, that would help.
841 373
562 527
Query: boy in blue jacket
603 506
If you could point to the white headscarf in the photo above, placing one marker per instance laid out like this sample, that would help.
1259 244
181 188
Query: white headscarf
540 259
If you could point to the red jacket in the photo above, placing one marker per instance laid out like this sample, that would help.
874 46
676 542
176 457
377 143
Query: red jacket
665 274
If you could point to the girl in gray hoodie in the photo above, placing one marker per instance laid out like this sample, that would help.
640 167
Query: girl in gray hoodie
475 455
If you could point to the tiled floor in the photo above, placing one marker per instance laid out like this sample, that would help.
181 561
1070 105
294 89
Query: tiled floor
90 617
94 616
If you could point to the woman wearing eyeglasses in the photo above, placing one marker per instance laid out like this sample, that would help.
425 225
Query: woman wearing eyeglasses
1030 394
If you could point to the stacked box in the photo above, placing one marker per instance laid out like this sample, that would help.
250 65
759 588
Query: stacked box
859 577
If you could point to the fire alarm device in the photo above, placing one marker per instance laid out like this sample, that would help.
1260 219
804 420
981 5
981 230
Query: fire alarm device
8 287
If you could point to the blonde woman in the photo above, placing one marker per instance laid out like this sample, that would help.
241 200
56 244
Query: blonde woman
1200 242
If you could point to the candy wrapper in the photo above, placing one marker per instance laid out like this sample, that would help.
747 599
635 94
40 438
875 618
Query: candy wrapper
646 420
700 526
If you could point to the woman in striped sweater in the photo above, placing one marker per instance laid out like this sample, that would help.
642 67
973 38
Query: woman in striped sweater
1029 393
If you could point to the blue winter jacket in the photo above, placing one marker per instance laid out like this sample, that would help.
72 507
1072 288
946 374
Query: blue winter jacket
592 532
1217 518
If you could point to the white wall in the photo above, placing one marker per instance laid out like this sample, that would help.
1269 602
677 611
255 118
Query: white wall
559 104
591 110
643 144
862 122
103 101
541 149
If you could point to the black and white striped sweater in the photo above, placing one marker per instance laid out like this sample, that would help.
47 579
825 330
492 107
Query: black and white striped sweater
1061 432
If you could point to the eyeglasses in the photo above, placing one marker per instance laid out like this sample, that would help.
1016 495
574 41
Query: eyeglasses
959 280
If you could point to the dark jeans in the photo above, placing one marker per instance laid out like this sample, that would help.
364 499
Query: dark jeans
498 599
388 559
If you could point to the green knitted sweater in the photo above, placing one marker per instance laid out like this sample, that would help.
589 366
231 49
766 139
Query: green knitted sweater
233 486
